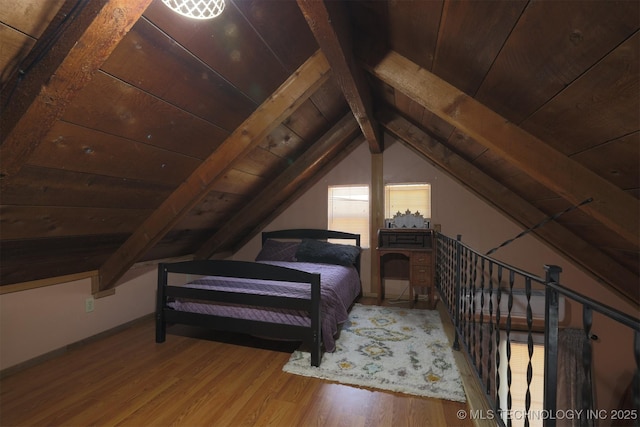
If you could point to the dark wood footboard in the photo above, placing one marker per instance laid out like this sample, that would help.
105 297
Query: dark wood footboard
246 270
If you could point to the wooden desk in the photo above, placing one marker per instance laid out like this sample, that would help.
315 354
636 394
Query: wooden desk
418 247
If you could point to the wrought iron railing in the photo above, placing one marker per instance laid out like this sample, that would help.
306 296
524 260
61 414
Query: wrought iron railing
490 301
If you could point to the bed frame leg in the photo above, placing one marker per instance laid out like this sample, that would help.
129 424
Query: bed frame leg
161 329
161 325
316 352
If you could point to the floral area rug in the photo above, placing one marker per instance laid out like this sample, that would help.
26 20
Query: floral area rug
389 348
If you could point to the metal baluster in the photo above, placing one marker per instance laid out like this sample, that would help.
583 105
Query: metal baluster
455 271
587 322
465 302
452 275
441 255
474 274
481 332
489 364
527 398
442 269
636 375
457 295
509 376
498 301
551 304
443 266
457 267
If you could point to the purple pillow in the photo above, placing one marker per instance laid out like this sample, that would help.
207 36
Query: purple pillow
275 250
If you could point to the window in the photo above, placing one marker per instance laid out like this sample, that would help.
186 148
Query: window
349 210
400 197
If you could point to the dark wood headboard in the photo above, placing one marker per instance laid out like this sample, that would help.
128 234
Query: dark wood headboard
312 233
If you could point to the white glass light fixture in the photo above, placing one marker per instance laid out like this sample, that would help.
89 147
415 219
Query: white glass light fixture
196 9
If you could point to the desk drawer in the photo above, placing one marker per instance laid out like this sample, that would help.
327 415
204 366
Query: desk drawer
421 258
421 275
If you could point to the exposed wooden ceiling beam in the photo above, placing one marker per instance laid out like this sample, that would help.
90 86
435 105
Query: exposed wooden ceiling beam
286 99
593 261
330 26
280 189
615 209
38 96
259 226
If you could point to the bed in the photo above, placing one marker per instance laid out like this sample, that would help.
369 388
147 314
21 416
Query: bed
300 287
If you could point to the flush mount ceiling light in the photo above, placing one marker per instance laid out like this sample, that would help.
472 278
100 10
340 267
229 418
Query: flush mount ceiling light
197 9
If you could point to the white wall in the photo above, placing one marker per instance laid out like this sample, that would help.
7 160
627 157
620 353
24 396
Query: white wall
38 321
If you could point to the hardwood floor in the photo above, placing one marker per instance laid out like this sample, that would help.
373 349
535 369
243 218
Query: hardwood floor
128 379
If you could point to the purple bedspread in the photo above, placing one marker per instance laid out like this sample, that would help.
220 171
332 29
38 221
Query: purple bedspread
339 288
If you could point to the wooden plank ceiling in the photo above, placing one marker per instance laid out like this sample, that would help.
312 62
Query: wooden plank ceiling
130 133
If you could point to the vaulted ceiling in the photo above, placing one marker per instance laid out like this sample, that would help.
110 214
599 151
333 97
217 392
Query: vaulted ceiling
130 133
